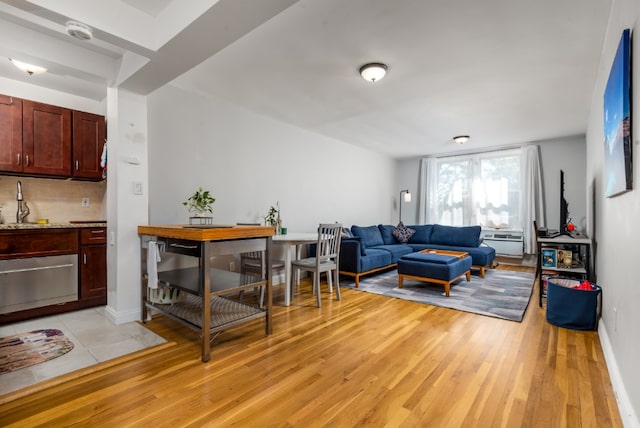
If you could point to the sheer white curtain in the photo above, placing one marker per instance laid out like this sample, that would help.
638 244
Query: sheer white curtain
428 188
532 201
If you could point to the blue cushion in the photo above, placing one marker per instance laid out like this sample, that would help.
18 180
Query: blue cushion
481 256
374 259
386 231
440 259
396 251
370 235
463 236
422 235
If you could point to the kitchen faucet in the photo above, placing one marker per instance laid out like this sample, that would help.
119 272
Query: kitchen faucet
23 209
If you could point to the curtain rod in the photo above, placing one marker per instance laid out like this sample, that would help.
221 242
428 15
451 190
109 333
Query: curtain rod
479 151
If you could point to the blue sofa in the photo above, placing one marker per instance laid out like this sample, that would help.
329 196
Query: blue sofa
374 248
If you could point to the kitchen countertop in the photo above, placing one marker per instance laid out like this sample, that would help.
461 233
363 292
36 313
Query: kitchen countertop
67 225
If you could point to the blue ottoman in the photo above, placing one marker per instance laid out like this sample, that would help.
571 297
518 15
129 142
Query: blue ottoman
438 267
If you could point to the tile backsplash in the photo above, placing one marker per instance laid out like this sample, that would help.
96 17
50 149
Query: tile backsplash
59 201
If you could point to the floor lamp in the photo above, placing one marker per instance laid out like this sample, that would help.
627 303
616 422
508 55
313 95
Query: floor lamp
406 198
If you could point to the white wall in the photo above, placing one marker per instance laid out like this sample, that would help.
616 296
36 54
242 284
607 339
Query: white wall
39 94
567 153
615 224
249 162
127 164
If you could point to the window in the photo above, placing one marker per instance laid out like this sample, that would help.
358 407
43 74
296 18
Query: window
479 189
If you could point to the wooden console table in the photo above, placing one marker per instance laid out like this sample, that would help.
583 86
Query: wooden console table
583 270
187 252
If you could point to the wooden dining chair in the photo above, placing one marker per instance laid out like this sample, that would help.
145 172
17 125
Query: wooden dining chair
327 259
255 262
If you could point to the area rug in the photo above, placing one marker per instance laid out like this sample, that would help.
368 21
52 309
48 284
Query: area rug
26 349
501 294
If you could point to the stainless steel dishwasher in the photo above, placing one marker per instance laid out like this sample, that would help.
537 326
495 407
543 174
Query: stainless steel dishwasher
38 268
33 282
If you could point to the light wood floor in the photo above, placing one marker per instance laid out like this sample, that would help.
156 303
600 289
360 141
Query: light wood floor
367 360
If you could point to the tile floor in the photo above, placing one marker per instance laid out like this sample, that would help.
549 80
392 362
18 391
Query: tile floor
95 339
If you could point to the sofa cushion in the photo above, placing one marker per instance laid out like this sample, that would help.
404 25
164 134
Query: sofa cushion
422 235
370 235
374 259
396 250
386 230
402 233
459 236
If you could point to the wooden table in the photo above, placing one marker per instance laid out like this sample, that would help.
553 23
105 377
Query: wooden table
187 251
289 241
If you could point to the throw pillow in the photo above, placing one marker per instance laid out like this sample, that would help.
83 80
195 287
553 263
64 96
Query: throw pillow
346 233
402 233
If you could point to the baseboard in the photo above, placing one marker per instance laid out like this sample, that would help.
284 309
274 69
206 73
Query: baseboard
627 413
122 317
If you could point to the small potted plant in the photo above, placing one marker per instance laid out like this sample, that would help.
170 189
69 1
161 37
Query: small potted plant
200 202
273 218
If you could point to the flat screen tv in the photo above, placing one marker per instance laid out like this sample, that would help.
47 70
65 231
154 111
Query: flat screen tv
618 174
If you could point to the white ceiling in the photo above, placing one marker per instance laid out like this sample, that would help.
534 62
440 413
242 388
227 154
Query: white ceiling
502 71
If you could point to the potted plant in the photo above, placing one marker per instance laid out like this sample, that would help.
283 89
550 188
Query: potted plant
273 217
200 202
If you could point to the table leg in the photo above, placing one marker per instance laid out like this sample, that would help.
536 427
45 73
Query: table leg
288 288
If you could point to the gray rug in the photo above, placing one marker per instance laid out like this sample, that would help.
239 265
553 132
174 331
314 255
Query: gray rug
501 294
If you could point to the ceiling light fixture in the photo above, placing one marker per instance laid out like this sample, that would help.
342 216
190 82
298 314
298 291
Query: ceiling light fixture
79 30
373 71
461 139
30 69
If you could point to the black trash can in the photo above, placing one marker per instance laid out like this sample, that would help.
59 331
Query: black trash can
572 308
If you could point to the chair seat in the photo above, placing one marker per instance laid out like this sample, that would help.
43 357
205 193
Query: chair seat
310 262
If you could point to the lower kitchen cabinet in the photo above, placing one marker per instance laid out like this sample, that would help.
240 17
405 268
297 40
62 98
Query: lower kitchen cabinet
93 265
51 271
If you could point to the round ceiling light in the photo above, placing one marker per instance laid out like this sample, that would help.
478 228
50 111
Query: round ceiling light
79 30
461 139
373 71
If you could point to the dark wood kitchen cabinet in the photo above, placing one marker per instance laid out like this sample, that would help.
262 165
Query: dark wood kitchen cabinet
46 139
93 266
10 134
88 140
43 140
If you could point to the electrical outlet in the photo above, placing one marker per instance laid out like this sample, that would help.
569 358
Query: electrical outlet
232 266
85 202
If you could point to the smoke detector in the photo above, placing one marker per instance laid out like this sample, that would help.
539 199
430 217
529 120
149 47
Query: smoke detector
79 30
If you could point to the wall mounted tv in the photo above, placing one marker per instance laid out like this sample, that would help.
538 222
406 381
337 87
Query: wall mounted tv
618 173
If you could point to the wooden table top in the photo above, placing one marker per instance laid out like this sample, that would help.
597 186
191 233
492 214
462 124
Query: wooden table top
206 232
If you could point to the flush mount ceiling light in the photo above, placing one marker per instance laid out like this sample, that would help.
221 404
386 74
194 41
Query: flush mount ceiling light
373 71
30 69
460 139
79 30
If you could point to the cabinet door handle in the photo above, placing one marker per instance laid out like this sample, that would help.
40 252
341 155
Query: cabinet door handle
77 165
97 231
19 159
84 258
27 159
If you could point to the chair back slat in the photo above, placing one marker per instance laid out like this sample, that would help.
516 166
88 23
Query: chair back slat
328 241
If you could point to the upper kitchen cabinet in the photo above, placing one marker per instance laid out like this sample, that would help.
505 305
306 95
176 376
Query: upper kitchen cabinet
46 139
43 140
88 140
10 134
